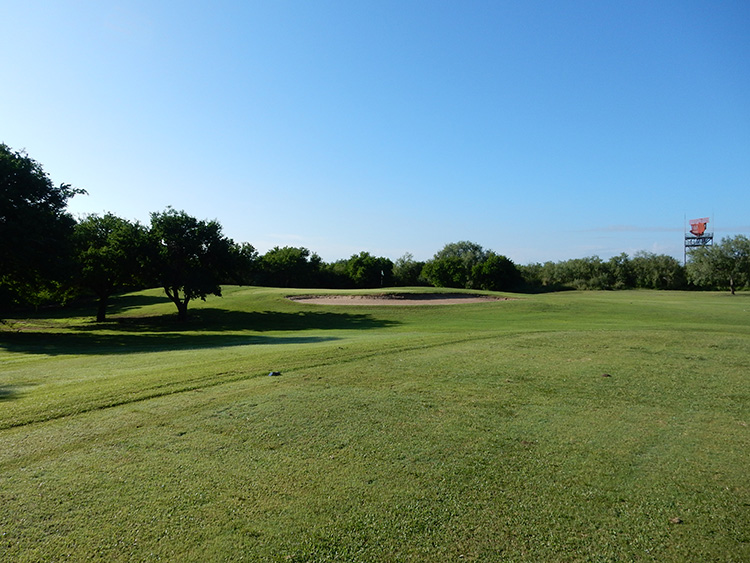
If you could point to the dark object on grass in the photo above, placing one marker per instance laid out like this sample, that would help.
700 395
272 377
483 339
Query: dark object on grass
606 375
275 373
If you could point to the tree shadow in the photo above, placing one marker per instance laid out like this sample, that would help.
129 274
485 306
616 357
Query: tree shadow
119 304
262 321
165 332
87 307
70 343
222 320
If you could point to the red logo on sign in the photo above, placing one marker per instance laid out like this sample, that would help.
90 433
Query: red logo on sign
698 226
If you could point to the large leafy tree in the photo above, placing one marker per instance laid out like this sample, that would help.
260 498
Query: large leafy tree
289 267
449 271
110 252
407 271
244 264
365 270
496 273
467 265
722 265
581 273
454 264
34 225
620 272
189 258
657 271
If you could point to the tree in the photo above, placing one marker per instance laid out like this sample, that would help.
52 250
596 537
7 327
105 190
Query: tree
109 254
453 265
289 267
34 225
189 258
726 264
467 265
244 264
540 277
582 273
335 275
496 273
366 270
657 271
620 272
407 271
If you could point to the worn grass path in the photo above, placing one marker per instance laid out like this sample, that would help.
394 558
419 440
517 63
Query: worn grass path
481 432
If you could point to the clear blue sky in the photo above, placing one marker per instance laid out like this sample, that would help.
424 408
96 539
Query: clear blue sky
543 130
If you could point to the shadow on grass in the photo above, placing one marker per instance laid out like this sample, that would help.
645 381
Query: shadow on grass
7 393
86 307
163 333
220 320
69 343
119 304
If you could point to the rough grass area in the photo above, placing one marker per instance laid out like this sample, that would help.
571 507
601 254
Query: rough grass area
567 427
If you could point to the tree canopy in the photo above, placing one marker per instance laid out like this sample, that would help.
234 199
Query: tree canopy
723 265
366 270
467 265
407 271
496 273
35 228
110 254
189 258
46 256
289 267
657 271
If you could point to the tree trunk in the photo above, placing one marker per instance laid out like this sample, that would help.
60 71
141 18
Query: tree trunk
101 313
181 304
182 311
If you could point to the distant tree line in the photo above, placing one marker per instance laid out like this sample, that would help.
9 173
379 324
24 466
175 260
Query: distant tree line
46 256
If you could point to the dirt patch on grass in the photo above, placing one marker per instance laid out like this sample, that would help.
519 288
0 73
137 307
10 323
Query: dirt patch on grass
396 299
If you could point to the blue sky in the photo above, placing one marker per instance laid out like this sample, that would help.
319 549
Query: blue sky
540 130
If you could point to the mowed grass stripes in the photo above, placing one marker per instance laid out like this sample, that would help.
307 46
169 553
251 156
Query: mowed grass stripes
485 432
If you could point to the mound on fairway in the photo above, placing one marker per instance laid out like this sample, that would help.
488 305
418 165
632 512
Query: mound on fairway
396 299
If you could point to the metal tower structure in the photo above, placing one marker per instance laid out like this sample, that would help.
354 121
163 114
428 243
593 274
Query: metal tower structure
698 236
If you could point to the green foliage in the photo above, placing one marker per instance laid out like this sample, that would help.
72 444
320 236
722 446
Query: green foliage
538 277
365 270
289 267
110 254
189 258
335 275
452 266
620 272
244 264
496 273
467 265
361 270
407 271
449 271
723 265
645 270
34 227
585 273
657 271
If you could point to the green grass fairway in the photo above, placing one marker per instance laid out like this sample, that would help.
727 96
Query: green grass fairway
473 432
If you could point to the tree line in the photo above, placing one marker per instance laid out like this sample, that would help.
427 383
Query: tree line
46 256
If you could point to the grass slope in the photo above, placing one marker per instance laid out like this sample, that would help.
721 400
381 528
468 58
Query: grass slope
482 432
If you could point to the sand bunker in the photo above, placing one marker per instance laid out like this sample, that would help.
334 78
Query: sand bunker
396 299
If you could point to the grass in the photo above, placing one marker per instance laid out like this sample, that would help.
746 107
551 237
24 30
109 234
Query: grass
476 432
